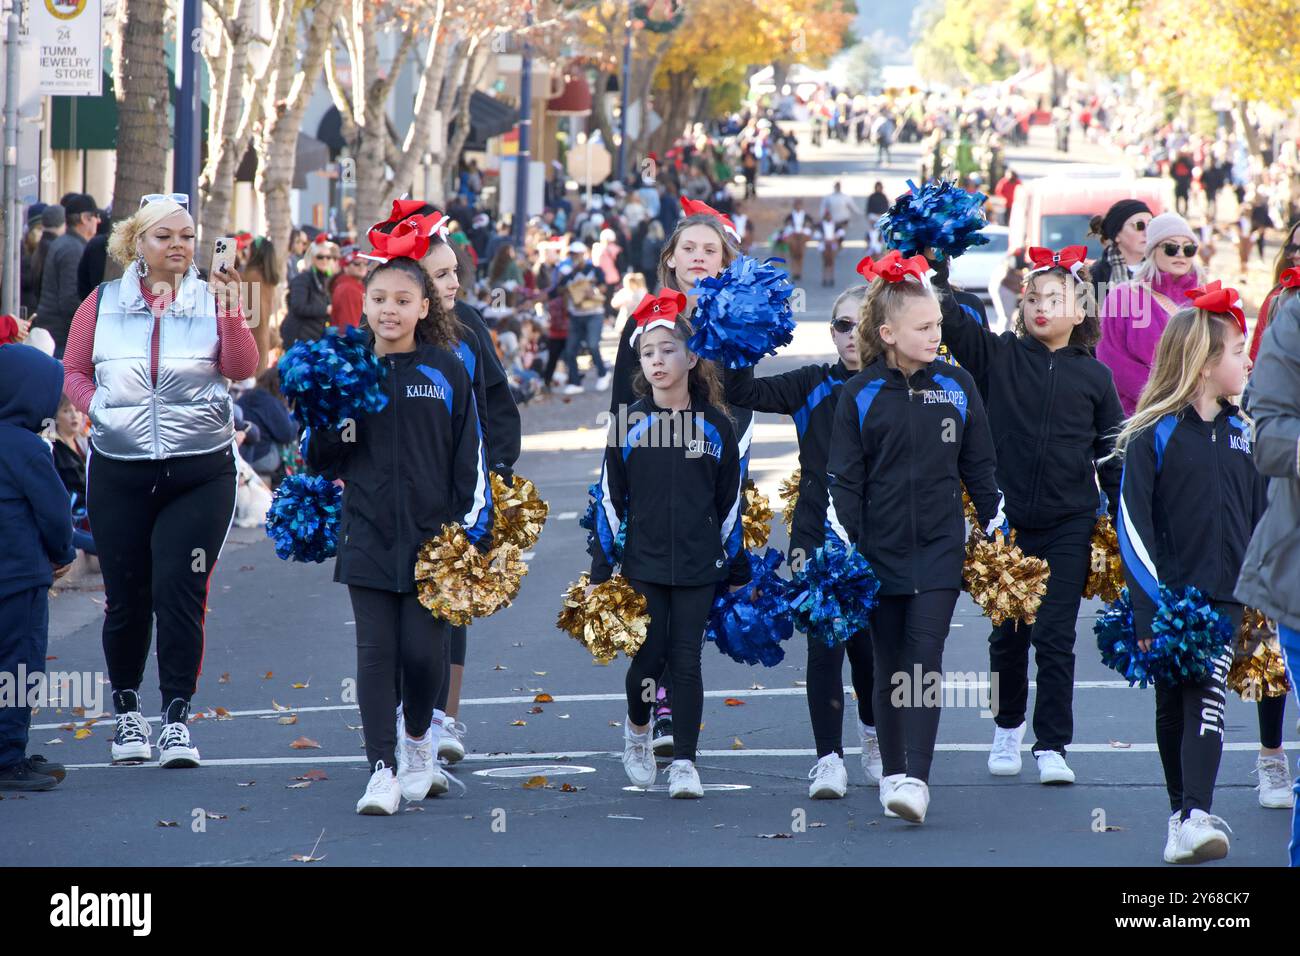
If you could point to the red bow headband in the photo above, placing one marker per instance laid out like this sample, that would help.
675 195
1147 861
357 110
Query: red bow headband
693 207
321 239
1216 299
1290 279
658 311
893 267
243 240
410 236
1042 258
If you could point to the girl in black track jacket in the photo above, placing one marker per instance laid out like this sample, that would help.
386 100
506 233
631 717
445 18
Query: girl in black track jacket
909 430
1190 497
809 395
409 469
1053 411
672 470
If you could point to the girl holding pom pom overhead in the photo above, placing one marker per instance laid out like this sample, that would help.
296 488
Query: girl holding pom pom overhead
909 430
672 472
409 469
809 395
1189 499
1053 411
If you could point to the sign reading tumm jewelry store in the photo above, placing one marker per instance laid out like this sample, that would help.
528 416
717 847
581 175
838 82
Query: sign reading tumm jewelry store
68 37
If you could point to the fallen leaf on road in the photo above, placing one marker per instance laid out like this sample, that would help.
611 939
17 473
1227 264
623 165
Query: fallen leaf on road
290 719
499 667
616 723
224 679
518 723
52 657
313 775
82 734
816 824
570 788
535 710
249 784
543 699
737 745
275 706
775 836
305 743
1110 828
534 783
167 823
539 673
268 675
517 644
211 815
56 740
199 716
68 727
757 687
734 702
1120 745
299 858
298 786
562 716
223 714
302 685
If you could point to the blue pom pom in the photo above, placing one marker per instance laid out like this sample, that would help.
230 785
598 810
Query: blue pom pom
588 521
333 379
1187 636
743 314
303 520
832 597
939 216
750 624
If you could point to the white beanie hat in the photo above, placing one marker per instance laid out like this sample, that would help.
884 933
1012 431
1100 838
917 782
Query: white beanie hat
1167 225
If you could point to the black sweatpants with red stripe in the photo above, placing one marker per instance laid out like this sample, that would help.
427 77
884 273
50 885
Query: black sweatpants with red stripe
159 526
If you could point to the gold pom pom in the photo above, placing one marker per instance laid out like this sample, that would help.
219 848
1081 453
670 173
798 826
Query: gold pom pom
612 619
518 512
757 519
457 583
789 495
1258 669
1004 582
1105 572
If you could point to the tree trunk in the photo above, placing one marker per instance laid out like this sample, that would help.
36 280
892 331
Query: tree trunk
140 81
427 96
600 120
1249 131
475 67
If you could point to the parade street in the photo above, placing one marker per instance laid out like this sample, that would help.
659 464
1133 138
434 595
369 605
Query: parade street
280 736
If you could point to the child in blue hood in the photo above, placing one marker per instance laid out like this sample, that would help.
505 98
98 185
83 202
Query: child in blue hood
37 549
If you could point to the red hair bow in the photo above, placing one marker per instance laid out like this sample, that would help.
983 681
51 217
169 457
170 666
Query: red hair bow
321 238
1217 299
1068 258
243 240
693 207
1290 279
410 236
658 311
893 267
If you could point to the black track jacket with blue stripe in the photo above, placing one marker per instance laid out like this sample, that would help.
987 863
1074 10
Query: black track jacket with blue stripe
900 450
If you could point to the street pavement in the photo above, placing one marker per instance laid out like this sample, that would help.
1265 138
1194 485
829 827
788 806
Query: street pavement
280 644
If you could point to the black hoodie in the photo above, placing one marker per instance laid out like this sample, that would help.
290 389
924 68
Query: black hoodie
35 510
901 448
1053 416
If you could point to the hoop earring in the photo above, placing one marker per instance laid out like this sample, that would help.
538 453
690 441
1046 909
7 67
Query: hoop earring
141 267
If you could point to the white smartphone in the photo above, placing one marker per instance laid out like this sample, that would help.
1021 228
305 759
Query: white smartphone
223 256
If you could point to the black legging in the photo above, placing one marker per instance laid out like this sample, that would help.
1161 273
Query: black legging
456 641
554 353
160 527
399 643
1271 712
1067 549
674 638
1189 731
826 688
907 632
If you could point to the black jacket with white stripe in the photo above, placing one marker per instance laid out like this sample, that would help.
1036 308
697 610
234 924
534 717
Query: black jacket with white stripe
901 448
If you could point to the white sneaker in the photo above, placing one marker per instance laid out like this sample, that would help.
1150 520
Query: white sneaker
131 738
416 767
175 749
383 793
451 745
573 389
683 781
1274 782
910 798
1171 837
873 767
1200 839
638 757
1004 758
602 383
1052 768
887 785
830 781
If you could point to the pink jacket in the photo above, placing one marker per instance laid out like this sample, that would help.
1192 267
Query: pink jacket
1132 320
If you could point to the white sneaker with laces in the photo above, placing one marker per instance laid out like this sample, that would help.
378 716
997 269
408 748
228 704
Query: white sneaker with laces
683 781
887 785
830 781
1200 839
873 766
175 749
572 389
1004 757
1274 782
602 383
417 767
451 745
383 793
638 756
1052 768
131 738
910 799
1171 837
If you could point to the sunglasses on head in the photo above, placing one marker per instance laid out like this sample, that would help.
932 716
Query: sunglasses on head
1171 249
181 199
844 326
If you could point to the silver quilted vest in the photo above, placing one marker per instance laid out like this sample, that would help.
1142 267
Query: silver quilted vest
189 411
